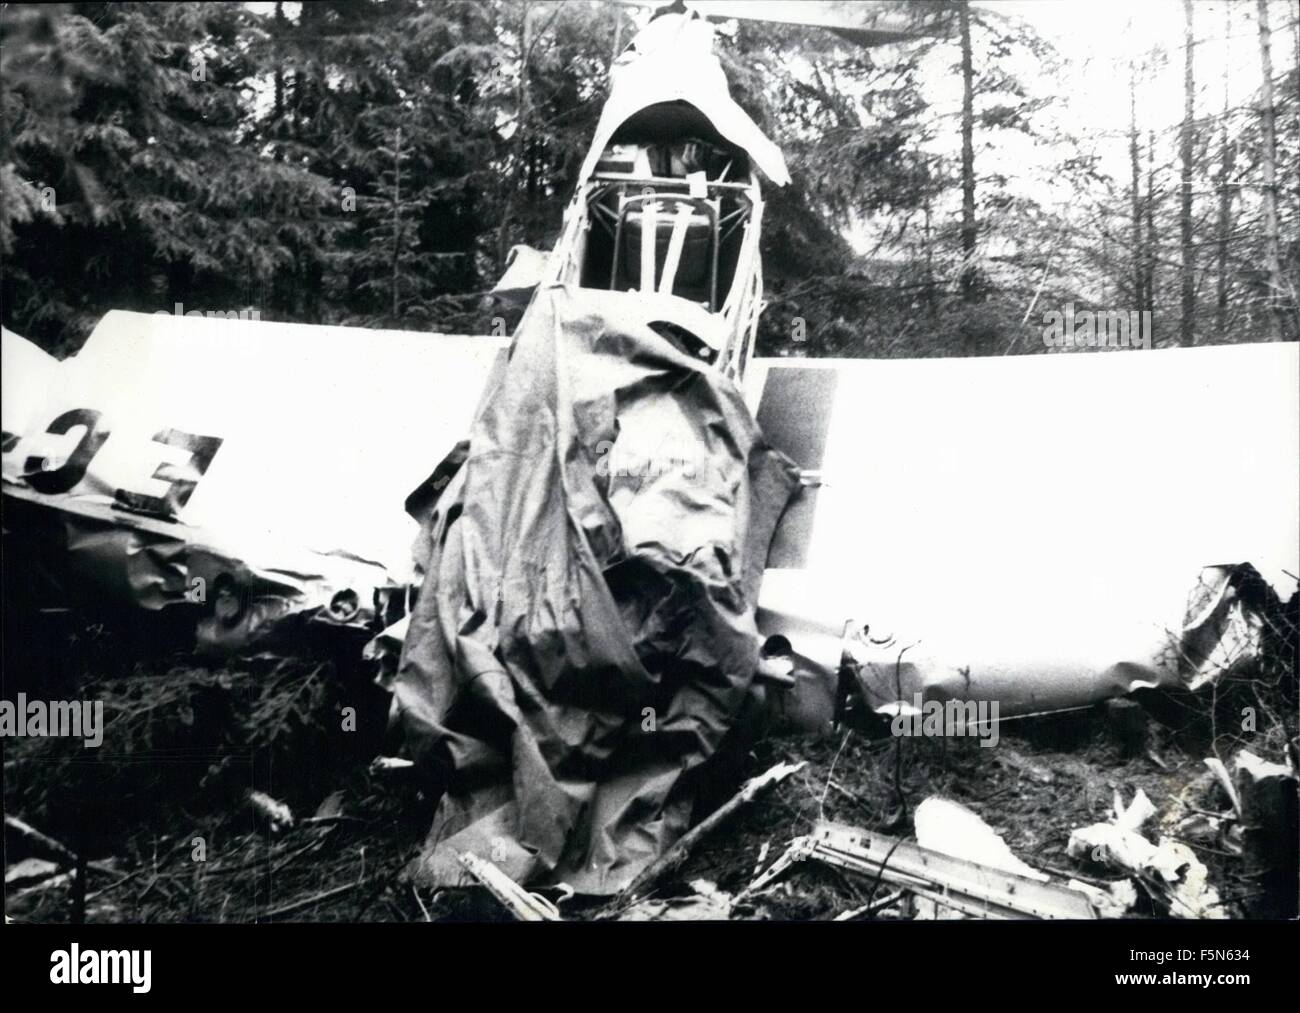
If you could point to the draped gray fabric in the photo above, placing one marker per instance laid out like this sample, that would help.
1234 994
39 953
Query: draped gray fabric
585 635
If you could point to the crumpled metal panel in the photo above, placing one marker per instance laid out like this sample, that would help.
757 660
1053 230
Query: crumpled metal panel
525 268
204 461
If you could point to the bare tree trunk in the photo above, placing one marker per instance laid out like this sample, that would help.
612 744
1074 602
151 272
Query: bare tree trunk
1105 272
1227 163
521 119
1186 328
968 227
1268 161
397 217
1151 229
279 70
1139 293
618 36
929 260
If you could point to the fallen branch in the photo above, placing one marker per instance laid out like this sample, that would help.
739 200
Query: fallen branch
872 908
40 842
676 856
329 821
312 901
112 886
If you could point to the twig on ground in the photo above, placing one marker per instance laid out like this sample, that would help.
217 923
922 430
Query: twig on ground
870 909
312 901
40 842
420 901
676 856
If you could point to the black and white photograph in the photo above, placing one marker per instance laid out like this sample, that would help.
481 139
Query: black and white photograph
629 461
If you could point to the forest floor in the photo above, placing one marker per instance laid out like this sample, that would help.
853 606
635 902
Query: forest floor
162 811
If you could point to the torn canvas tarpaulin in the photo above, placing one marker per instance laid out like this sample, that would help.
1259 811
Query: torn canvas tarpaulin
585 636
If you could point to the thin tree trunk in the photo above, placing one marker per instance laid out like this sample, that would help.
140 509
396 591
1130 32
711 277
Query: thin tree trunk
1227 162
1151 228
968 226
618 36
1268 161
929 261
397 217
512 182
1139 293
279 68
1186 328
1105 272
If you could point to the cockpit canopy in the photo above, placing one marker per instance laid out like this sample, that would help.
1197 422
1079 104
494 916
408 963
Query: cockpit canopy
667 204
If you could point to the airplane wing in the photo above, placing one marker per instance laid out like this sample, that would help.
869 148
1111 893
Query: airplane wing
1045 531
177 457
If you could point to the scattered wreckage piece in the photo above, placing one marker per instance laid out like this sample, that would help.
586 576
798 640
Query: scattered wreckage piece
1169 871
980 891
527 907
951 829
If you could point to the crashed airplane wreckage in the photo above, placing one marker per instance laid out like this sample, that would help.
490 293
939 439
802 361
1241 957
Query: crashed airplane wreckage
637 532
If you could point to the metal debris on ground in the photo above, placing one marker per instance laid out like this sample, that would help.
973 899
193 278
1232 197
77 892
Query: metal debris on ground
1172 875
527 907
980 891
951 829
